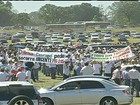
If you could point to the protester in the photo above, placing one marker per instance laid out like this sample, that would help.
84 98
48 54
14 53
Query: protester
77 68
36 70
108 69
3 75
87 69
66 69
134 76
117 75
126 77
21 76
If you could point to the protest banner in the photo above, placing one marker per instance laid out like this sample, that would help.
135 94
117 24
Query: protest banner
42 57
102 57
121 54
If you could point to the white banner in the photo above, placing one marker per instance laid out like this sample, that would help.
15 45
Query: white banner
42 57
121 54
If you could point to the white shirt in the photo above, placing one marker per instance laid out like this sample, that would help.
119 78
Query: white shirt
87 70
116 74
66 69
3 76
28 74
97 68
134 74
21 76
52 65
107 67
36 65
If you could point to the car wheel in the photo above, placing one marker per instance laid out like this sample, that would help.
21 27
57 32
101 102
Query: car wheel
21 100
108 101
47 101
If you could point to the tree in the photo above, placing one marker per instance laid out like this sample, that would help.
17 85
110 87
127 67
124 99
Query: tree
5 14
84 12
126 12
21 19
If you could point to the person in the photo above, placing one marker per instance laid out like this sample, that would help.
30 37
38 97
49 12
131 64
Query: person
52 67
134 77
28 74
126 77
77 68
117 75
97 68
87 69
3 75
107 69
36 69
66 69
21 76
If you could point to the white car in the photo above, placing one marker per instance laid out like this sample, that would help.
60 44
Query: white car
107 37
86 91
28 38
66 37
94 37
136 35
18 93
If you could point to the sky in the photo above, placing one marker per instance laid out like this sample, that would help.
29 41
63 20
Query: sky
31 6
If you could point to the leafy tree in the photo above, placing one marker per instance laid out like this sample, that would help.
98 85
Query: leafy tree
126 12
5 14
84 12
21 19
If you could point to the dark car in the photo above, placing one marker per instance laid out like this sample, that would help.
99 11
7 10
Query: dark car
18 93
122 37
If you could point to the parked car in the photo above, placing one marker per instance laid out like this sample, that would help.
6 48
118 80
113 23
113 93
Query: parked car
20 35
122 38
94 37
35 34
66 37
42 37
28 38
18 93
86 91
82 37
107 37
136 35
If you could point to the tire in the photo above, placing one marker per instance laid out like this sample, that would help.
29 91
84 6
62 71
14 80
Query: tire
108 101
21 100
47 101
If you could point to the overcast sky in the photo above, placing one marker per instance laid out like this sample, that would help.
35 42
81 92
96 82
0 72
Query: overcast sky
30 6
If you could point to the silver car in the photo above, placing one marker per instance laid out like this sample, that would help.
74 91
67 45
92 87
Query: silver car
86 91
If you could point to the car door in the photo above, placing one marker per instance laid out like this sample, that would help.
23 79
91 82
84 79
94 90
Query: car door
68 94
4 95
91 92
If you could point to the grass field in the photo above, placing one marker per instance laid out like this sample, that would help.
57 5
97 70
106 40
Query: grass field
47 81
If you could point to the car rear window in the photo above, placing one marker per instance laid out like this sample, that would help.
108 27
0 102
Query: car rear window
23 90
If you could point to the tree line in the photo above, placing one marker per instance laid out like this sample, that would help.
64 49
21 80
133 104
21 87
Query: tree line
120 13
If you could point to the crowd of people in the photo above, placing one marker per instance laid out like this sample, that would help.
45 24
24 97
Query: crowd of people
78 62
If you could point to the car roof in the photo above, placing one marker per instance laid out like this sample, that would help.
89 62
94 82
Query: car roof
14 83
130 65
89 76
